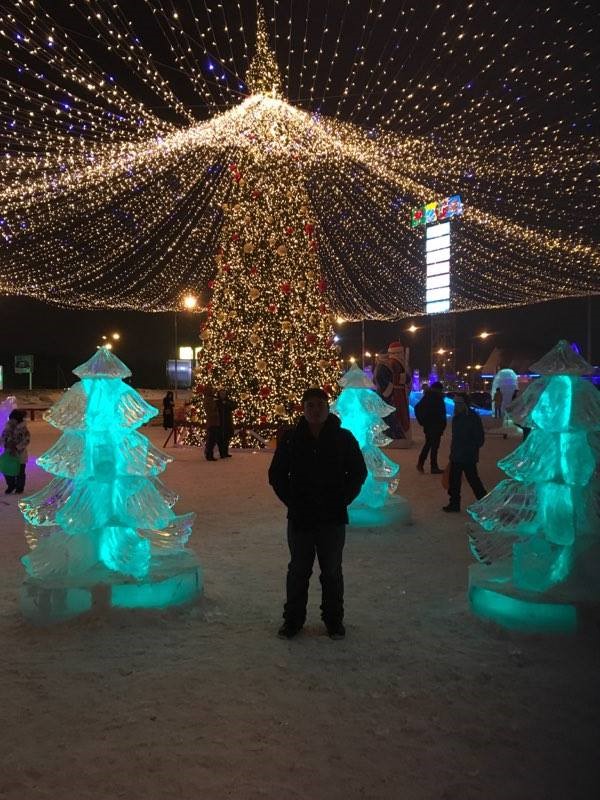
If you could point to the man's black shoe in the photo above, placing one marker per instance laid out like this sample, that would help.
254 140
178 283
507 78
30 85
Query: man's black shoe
210 458
437 471
288 631
451 508
420 468
336 631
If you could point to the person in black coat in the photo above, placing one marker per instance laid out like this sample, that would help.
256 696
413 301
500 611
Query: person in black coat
317 471
467 438
225 407
168 411
430 412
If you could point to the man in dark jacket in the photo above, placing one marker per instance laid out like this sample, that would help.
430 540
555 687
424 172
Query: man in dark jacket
430 412
317 471
467 438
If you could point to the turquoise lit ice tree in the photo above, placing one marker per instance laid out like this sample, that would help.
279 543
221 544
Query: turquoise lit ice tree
103 532
547 512
362 411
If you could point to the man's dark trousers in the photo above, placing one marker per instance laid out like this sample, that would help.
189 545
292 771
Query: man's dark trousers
455 479
433 437
326 540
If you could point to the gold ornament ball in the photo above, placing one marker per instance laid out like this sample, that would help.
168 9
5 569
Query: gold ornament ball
279 410
248 247
282 250
261 365
253 293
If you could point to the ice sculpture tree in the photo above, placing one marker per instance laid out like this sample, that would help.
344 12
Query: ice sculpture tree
103 533
361 410
549 506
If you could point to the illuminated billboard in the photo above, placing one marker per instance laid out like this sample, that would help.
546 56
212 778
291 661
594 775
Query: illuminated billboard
438 211
437 256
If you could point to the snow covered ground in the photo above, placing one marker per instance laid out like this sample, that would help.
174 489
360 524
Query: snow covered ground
421 700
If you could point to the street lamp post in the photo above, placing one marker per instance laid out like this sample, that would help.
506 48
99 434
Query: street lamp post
483 336
189 303
362 339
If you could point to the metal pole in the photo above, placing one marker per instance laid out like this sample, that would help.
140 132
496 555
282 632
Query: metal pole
176 355
472 370
589 329
362 325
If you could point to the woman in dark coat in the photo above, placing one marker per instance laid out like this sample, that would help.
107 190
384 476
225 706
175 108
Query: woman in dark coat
168 410
225 407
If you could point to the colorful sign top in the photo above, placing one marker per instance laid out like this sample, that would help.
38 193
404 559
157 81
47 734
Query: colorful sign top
437 211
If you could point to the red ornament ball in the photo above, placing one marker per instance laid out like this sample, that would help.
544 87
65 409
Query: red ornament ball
285 287
265 391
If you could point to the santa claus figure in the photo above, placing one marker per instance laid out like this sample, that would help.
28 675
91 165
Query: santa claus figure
393 385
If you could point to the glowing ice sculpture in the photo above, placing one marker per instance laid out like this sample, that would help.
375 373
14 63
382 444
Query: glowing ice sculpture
361 411
548 508
103 533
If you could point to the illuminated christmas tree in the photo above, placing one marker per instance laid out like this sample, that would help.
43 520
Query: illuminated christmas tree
540 551
103 532
268 333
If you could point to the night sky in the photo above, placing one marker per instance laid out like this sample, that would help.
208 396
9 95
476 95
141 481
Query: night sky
61 338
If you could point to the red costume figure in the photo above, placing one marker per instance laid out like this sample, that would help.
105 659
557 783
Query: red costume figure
393 385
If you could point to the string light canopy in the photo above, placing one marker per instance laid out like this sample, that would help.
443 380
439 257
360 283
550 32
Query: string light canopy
118 123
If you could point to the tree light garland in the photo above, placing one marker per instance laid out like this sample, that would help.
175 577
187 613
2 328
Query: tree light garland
114 160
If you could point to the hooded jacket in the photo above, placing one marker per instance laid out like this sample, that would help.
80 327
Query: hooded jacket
430 411
467 437
317 478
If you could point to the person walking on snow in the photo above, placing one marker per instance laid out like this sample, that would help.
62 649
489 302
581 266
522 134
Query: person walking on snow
213 428
225 407
14 438
498 404
467 439
430 412
317 471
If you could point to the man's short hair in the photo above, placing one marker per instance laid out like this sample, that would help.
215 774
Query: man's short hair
315 392
437 385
